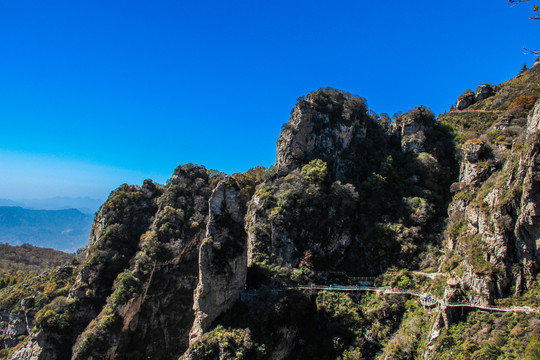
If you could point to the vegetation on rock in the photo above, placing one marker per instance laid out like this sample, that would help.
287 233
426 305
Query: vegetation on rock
251 266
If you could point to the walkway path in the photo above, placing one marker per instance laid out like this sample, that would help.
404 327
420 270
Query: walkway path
425 298
478 111
429 275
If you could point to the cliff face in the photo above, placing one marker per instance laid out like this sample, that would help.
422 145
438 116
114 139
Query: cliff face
150 308
493 222
331 126
198 268
222 258
502 218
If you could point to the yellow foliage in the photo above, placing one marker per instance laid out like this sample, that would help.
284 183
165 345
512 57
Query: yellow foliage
49 288
524 101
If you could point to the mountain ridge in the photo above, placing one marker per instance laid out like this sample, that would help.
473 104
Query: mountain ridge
60 229
209 266
85 204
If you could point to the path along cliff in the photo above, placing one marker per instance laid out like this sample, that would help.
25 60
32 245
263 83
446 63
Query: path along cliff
350 196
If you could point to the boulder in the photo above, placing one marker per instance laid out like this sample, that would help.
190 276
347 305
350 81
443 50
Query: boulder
465 100
483 92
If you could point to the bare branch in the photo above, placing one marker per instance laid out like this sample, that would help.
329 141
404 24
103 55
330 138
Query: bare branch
534 52
515 2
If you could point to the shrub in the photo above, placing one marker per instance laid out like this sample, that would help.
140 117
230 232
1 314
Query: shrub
54 316
315 171
523 101
128 284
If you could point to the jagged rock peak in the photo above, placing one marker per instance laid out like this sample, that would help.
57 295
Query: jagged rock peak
328 124
186 174
411 128
222 257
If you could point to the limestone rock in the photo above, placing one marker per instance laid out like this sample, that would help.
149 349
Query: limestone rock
465 100
483 92
504 225
472 171
12 326
155 321
327 125
533 123
222 258
35 349
411 129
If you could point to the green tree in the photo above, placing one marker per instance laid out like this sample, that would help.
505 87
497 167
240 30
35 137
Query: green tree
315 171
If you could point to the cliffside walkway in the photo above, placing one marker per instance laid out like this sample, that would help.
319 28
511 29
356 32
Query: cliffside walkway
426 299
477 111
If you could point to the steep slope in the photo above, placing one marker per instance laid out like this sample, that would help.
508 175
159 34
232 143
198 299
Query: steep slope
209 266
493 223
366 203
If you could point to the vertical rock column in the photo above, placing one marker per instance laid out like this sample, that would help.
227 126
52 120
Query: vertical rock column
222 258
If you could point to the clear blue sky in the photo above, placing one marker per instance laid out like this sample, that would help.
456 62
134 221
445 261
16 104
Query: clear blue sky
97 93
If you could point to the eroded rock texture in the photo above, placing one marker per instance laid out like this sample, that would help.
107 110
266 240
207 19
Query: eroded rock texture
348 197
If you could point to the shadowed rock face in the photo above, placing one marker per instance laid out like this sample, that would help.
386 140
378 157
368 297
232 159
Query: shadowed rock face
331 126
504 222
411 129
157 317
222 258
165 264
483 92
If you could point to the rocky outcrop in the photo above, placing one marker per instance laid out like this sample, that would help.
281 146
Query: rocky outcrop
166 266
154 318
291 232
13 326
38 347
527 229
332 126
113 242
411 129
483 92
475 167
16 325
465 100
498 210
222 258
533 125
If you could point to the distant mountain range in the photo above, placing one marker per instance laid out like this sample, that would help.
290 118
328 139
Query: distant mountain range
83 204
66 230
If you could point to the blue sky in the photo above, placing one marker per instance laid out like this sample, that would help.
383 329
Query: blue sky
97 93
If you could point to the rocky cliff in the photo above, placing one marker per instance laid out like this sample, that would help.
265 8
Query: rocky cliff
206 266
493 227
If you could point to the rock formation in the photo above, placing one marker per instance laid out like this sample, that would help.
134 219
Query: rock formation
203 267
465 100
483 92
411 129
222 258
331 126
497 209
